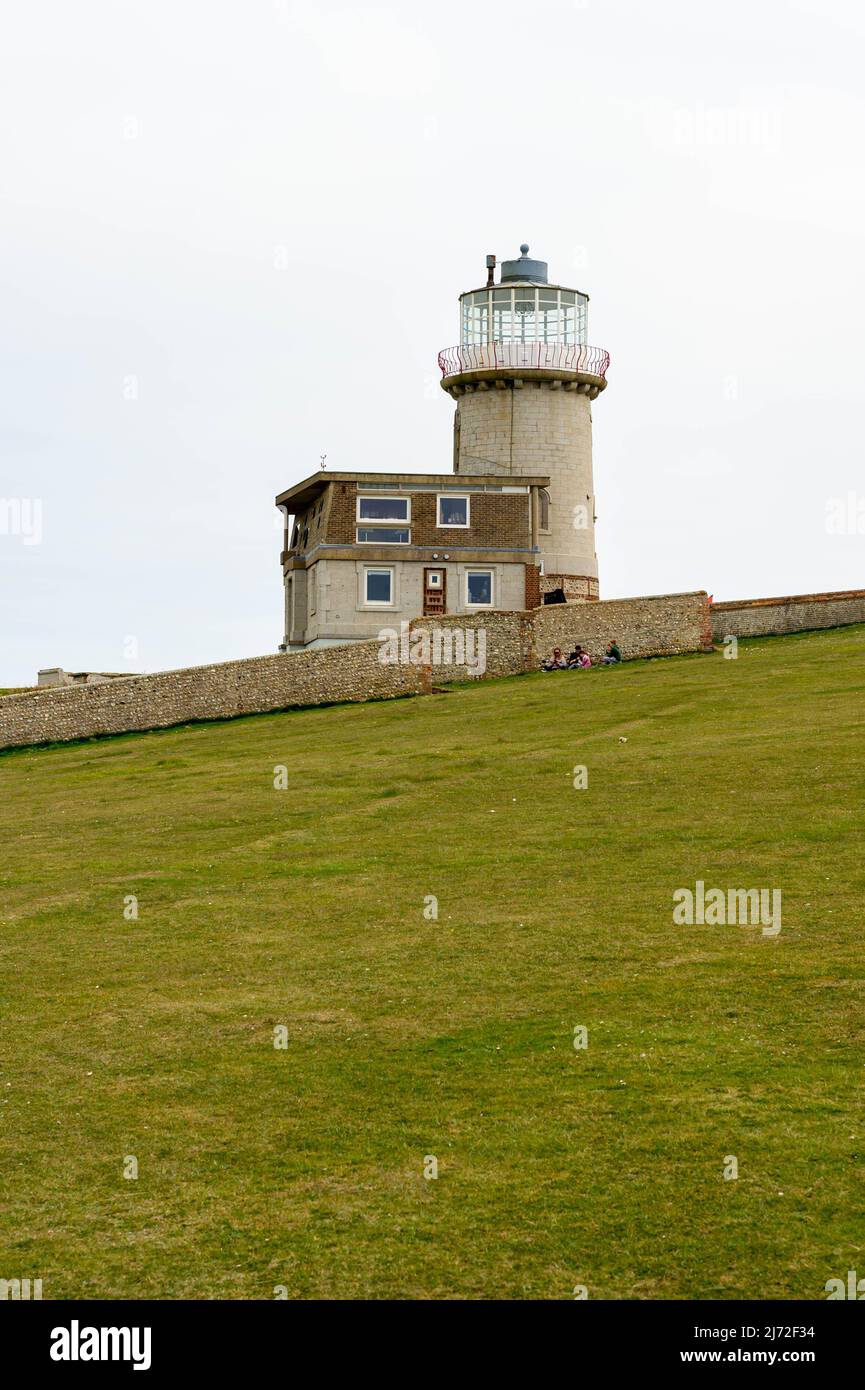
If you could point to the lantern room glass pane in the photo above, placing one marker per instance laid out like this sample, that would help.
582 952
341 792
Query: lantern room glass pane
523 314
548 318
502 315
525 318
475 325
582 318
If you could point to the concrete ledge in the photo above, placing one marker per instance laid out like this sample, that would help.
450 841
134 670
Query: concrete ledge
458 382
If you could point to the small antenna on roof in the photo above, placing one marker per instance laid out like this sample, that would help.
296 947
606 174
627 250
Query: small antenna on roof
491 266
321 460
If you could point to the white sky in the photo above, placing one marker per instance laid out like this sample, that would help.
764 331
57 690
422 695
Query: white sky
696 168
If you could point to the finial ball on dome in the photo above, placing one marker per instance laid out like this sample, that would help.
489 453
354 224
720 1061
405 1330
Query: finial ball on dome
525 248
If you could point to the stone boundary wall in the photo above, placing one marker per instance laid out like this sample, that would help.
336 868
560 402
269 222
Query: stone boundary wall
428 651
472 645
255 685
663 625
765 617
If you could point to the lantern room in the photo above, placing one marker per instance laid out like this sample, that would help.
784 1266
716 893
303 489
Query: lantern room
522 308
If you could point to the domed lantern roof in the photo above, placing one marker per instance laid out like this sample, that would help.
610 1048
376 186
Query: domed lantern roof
524 269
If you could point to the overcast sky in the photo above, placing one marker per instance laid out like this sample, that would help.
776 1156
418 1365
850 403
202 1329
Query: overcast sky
232 240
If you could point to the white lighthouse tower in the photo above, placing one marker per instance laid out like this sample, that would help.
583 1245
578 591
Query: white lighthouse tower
524 378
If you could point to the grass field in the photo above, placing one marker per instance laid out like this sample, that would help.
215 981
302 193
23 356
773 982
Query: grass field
409 1037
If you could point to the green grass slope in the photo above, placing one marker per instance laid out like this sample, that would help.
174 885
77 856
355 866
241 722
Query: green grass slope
407 1037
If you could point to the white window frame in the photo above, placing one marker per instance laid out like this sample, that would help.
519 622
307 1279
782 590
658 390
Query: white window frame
453 497
477 569
380 520
388 526
379 603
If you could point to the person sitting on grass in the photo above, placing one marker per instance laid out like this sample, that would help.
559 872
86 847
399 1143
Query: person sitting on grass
613 654
585 660
556 662
574 660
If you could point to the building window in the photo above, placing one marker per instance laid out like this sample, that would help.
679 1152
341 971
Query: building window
378 588
544 509
383 535
479 589
453 511
383 509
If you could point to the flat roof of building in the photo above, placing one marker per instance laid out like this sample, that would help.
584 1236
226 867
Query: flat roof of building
299 497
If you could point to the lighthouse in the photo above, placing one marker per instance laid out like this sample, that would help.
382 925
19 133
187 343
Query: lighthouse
510 528
524 378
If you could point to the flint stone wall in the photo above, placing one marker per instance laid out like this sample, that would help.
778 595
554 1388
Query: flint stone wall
663 625
766 617
326 675
458 647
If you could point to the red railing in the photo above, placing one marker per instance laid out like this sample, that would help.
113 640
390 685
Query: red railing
567 357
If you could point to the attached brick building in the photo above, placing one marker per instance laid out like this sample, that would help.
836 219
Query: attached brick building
511 526
367 550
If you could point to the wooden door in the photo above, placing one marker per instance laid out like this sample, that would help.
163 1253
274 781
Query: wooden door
434 591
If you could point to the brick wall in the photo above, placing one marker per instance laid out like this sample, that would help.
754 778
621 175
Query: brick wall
533 586
497 519
341 514
493 644
764 617
312 520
